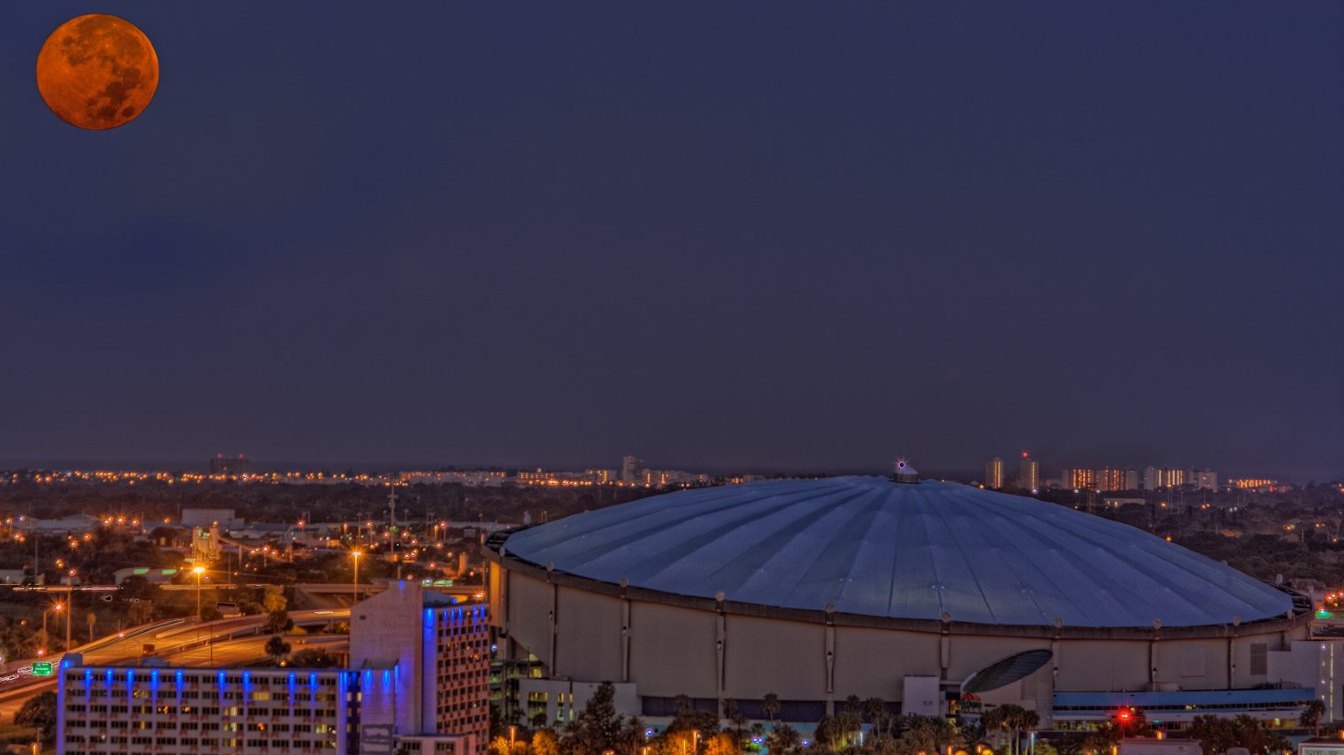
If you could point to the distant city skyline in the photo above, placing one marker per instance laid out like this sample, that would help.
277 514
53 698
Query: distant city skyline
1010 470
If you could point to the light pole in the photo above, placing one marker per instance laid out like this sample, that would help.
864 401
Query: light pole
70 613
45 638
354 586
199 571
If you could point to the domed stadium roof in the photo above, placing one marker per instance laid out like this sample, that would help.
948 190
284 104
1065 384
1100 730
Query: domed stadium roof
874 547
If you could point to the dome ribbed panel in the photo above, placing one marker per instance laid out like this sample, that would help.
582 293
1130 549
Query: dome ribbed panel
873 547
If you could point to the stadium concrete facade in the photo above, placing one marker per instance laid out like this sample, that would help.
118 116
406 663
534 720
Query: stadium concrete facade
928 595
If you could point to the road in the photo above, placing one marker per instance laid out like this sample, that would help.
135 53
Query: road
179 642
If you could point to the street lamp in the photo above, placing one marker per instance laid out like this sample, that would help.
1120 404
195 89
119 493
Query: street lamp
70 614
57 608
198 571
354 586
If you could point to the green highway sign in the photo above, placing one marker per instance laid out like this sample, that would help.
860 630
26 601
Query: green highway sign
42 668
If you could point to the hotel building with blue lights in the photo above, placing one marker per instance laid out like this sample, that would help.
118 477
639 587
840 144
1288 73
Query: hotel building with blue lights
417 683
175 710
437 667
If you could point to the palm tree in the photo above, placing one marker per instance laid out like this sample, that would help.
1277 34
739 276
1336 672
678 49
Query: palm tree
875 708
784 740
736 720
276 647
996 720
770 706
39 713
923 734
1024 720
1311 716
1014 719
850 720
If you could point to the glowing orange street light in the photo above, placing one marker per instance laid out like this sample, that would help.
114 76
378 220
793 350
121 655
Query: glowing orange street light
199 571
354 587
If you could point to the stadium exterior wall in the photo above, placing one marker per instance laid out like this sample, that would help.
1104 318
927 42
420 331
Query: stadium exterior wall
670 645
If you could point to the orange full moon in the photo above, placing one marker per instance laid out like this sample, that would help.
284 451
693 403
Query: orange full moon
97 71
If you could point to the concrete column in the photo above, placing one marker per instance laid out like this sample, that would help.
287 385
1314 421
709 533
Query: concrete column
553 622
720 648
830 659
625 639
944 648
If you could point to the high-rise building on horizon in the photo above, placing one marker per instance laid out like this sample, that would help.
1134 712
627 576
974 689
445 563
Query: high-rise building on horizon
230 465
1028 473
1110 479
1158 478
994 473
1078 479
1106 479
1204 479
600 476
632 469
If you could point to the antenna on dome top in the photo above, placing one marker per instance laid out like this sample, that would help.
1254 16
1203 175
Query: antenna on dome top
904 472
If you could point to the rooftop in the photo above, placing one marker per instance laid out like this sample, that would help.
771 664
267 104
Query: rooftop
929 550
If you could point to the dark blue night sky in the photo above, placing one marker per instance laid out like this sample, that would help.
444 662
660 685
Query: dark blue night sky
769 235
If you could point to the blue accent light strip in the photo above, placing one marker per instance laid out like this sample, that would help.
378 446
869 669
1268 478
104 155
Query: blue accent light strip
343 708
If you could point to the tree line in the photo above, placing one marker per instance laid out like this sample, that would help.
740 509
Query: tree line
858 727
